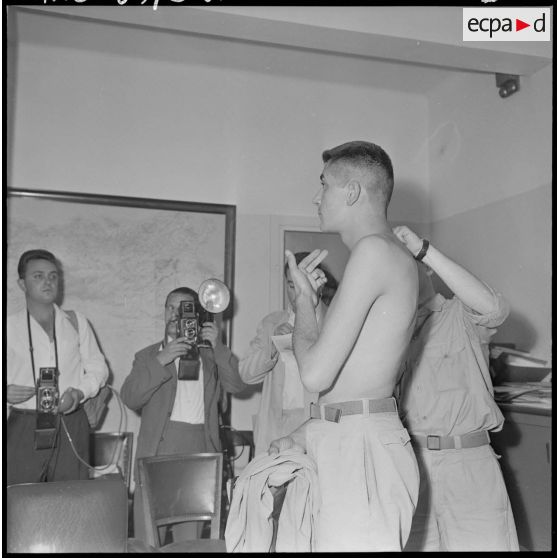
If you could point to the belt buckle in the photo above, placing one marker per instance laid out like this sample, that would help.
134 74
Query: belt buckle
433 442
332 414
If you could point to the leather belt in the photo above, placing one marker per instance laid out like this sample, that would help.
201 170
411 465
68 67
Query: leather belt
334 411
18 411
433 442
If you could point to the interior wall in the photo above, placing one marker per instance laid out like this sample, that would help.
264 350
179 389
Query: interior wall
134 112
126 111
441 24
491 176
508 245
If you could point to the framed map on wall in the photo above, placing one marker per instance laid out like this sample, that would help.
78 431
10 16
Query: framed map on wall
120 257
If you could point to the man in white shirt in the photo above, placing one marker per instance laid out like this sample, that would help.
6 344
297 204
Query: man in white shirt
41 339
178 416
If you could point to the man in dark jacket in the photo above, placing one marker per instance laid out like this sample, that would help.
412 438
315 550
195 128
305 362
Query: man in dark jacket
178 416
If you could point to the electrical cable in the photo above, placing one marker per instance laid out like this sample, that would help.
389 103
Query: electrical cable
240 435
117 449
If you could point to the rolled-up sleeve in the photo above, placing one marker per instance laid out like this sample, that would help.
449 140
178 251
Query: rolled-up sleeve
496 317
257 362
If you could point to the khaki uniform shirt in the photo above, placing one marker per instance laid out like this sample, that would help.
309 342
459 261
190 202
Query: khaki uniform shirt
446 388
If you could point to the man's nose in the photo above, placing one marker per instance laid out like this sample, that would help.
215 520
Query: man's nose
317 198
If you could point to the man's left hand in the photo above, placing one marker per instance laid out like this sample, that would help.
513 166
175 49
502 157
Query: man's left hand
210 332
69 401
306 276
283 444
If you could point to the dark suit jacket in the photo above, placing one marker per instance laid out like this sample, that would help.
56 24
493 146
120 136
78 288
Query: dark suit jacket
150 389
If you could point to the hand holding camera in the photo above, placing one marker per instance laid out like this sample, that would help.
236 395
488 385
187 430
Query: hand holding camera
70 400
196 325
174 349
209 333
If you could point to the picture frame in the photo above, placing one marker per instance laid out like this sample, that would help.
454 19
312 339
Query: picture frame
120 257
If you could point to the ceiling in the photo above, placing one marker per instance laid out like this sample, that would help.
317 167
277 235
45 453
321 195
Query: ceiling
234 38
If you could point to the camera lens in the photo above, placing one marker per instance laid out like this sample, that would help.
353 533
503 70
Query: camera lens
47 402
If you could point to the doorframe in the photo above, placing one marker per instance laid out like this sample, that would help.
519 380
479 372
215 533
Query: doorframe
280 224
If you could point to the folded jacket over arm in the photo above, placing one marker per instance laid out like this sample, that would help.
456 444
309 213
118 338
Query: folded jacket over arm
250 525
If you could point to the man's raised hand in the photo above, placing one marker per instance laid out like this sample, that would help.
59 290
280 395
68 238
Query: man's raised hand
306 276
411 240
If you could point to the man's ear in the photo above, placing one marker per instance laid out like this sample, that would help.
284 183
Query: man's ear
21 284
353 192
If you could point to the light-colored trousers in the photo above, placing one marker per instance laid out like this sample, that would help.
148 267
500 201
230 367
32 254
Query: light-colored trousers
463 503
368 479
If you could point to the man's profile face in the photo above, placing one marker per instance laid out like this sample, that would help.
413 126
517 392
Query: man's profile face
172 312
330 199
40 282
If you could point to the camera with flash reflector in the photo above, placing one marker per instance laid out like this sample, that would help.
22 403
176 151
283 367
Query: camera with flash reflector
214 298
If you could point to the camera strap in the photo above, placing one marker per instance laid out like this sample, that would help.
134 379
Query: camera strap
31 345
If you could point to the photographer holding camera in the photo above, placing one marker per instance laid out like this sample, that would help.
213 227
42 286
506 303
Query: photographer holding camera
176 385
53 367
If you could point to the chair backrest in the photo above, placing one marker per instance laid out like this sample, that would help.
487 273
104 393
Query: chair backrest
232 438
112 448
68 516
183 487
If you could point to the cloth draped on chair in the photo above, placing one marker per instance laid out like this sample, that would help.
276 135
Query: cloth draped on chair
250 525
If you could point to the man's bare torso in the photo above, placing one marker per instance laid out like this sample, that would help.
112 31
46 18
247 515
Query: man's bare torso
372 367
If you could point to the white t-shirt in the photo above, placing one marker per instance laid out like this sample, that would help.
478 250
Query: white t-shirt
188 402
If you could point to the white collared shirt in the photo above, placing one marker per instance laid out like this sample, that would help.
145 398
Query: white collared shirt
80 361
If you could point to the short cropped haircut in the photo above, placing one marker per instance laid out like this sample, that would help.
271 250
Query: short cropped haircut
330 286
30 255
367 156
183 291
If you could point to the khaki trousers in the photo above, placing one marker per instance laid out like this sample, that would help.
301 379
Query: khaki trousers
368 479
463 503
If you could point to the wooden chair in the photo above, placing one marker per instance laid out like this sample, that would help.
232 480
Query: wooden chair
179 488
68 516
111 452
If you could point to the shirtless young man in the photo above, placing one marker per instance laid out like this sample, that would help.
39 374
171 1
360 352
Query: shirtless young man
367 471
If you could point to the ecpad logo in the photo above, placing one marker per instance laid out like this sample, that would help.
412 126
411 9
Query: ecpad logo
506 24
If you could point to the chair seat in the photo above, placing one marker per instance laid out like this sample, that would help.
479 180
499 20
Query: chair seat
67 516
134 545
197 545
